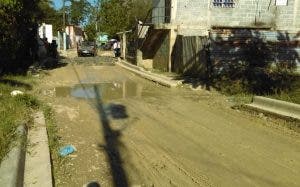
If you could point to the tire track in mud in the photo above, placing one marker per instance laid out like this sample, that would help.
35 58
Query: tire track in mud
225 160
160 160
163 166
172 140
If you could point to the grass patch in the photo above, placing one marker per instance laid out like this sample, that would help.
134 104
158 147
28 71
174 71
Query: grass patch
14 110
241 99
58 162
164 73
290 96
18 110
286 89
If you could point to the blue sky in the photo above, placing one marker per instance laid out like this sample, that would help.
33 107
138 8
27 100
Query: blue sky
58 3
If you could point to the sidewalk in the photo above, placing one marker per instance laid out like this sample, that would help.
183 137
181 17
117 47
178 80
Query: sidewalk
69 53
160 79
274 106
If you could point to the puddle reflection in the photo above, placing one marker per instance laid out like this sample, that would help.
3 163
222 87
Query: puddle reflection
109 90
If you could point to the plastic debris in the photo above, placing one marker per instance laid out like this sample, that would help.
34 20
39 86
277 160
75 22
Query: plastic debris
66 150
16 92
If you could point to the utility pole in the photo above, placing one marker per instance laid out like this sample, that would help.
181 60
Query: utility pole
64 26
97 12
64 15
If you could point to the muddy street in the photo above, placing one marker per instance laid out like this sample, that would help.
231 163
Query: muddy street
132 132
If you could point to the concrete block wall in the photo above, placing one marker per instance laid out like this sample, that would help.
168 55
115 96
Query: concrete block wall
191 12
203 15
279 26
288 17
246 13
231 45
297 15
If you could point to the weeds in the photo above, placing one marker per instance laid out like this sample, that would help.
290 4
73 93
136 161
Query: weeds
14 110
19 109
240 99
291 96
53 138
279 86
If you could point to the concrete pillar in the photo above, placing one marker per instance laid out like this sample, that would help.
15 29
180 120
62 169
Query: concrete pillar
208 14
124 45
295 13
65 41
173 36
58 40
139 57
173 10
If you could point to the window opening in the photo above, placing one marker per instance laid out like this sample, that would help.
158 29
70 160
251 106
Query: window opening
223 3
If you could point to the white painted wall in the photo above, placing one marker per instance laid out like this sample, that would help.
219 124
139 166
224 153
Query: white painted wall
45 30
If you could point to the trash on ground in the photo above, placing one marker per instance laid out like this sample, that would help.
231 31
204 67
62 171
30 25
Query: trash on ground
16 92
66 150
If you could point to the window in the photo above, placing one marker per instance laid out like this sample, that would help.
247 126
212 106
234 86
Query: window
223 3
281 2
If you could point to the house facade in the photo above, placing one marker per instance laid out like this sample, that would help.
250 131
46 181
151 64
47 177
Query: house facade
45 31
75 35
173 21
193 16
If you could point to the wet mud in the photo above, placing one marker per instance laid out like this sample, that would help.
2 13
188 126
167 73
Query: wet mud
132 132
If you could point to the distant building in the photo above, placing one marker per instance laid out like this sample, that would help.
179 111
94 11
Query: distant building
45 31
75 35
102 39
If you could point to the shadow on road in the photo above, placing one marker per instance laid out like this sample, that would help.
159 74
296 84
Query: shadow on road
15 83
111 137
112 140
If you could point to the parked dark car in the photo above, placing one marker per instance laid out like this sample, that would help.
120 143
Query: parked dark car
87 49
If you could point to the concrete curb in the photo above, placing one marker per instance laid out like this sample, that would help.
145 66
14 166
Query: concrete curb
162 80
12 167
273 106
37 163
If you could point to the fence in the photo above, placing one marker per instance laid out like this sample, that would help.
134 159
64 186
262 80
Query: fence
190 55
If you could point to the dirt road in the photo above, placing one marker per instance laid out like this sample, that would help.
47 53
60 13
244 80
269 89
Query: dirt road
132 132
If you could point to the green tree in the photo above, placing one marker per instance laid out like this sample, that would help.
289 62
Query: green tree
138 10
79 11
113 16
120 15
91 31
18 24
51 16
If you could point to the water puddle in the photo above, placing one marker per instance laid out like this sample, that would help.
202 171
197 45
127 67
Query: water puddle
107 91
